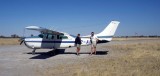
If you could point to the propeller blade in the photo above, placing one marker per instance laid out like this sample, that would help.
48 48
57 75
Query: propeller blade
21 42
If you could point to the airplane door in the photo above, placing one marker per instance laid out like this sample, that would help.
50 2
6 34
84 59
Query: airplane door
51 38
48 41
58 40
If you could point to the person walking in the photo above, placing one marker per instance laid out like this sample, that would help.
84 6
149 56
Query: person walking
94 41
78 43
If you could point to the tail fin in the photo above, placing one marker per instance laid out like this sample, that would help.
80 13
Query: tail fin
109 31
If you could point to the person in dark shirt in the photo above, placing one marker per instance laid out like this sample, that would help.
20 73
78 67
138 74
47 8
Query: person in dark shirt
78 43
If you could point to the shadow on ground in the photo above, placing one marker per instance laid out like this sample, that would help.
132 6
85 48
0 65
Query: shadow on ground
97 53
51 53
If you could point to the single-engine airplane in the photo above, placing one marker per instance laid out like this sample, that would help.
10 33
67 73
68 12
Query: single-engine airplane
50 39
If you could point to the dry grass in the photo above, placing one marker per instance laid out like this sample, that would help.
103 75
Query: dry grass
121 39
141 59
9 41
14 41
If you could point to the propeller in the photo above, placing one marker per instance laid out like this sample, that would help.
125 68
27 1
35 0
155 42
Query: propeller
21 40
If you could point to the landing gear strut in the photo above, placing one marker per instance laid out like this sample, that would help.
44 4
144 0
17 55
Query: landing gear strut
33 52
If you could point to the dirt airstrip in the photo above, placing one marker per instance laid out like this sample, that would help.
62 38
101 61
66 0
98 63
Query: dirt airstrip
124 57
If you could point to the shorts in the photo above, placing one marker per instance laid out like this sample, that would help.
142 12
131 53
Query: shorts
94 44
78 45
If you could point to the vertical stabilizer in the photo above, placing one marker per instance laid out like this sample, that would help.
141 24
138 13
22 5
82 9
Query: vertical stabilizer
109 31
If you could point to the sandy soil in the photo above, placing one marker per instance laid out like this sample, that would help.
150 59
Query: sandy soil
16 60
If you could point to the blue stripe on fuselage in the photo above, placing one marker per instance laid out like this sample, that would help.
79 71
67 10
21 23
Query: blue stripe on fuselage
52 41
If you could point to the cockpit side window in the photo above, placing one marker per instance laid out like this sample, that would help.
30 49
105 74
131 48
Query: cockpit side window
63 37
50 36
45 36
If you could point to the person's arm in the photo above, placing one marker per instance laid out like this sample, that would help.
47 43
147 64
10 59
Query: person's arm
97 39
90 40
80 40
75 41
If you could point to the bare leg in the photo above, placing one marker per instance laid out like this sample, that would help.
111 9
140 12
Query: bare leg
78 49
91 50
95 50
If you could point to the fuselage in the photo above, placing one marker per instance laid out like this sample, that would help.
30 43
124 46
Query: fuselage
50 41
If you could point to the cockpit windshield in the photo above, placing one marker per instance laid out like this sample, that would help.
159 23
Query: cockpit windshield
40 35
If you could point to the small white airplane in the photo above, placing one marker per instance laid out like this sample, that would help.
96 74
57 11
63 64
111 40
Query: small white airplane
50 39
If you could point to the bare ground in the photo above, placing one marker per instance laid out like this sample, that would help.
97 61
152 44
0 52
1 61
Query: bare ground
118 58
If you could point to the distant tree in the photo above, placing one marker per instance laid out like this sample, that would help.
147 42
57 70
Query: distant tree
14 36
2 36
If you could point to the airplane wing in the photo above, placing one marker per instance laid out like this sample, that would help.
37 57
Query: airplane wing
43 30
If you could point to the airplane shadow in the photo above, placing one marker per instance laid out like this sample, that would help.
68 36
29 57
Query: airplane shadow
45 55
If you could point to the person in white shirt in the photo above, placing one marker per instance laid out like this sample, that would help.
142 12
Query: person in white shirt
94 41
